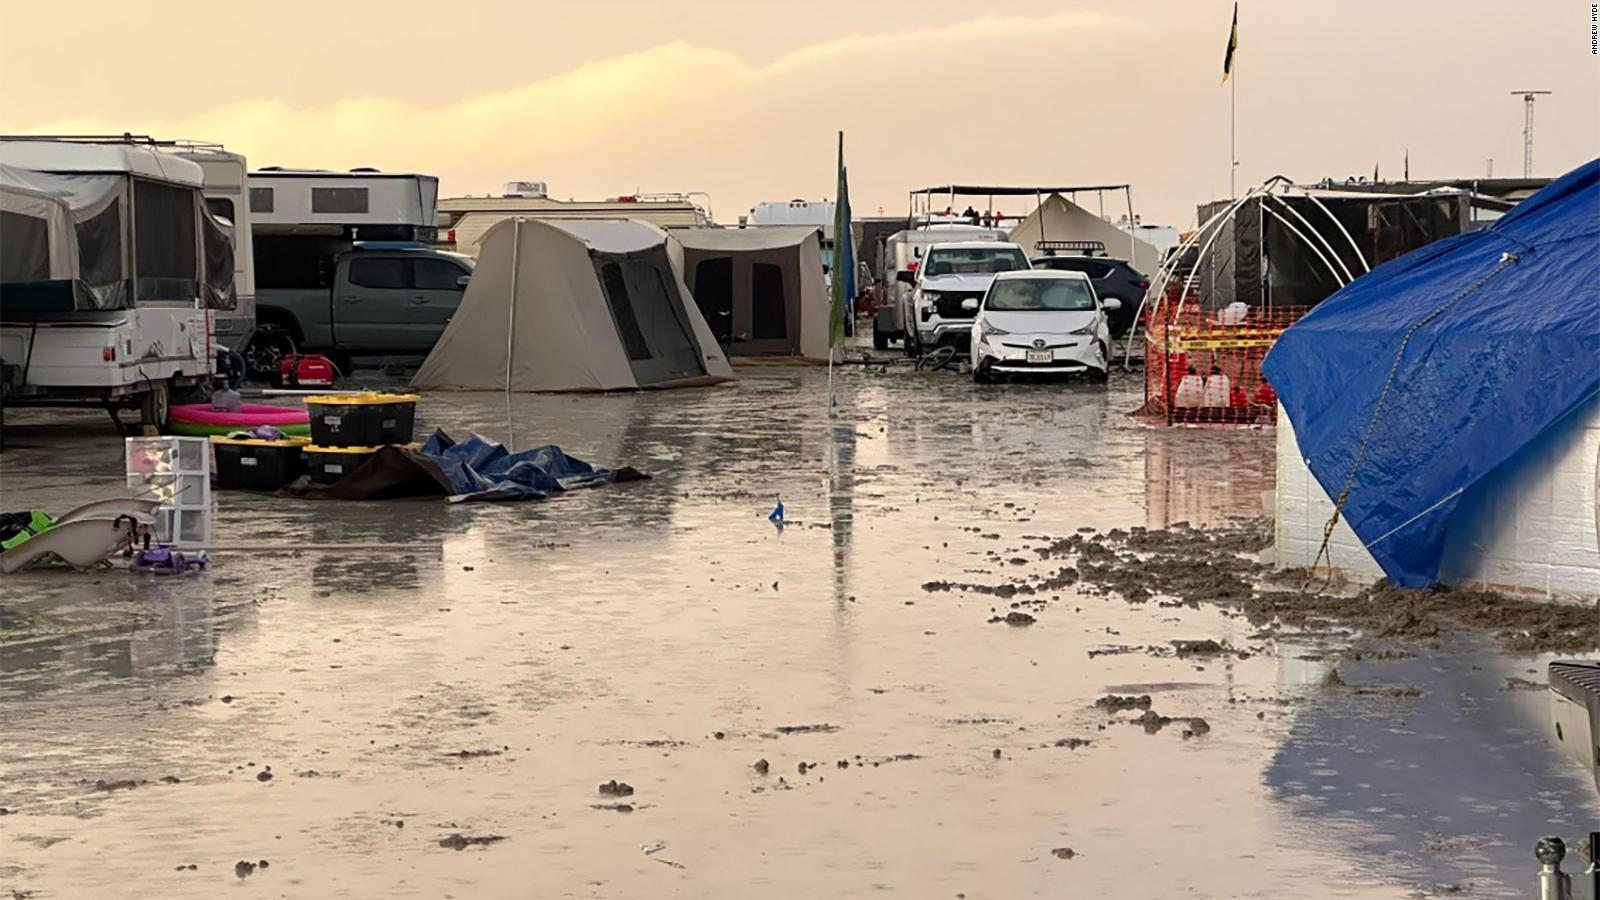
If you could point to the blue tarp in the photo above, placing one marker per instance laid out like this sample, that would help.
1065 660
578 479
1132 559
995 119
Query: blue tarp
1501 347
481 469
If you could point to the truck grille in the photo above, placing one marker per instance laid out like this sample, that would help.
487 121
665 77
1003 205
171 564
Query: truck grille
949 304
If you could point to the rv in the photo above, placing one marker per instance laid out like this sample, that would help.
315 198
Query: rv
464 220
224 191
110 271
361 204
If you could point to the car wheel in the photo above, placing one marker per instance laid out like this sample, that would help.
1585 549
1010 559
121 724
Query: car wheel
264 355
880 341
155 404
1102 374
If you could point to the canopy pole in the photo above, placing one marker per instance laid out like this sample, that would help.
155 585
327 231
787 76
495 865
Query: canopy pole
1133 240
1233 128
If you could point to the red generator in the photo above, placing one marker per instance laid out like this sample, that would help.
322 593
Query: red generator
306 370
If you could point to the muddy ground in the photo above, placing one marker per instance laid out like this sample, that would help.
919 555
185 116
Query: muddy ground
1009 643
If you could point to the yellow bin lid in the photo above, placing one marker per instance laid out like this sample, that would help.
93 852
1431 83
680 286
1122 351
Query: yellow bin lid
290 441
361 399
313 448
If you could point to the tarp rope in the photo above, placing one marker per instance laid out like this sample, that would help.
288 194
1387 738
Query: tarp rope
1506 260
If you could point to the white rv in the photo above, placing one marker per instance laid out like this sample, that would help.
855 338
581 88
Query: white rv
361 204
106 293
224 190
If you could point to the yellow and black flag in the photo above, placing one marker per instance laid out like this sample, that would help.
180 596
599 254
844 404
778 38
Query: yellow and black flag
1233 44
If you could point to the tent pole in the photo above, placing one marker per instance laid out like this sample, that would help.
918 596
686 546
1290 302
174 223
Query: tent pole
511 308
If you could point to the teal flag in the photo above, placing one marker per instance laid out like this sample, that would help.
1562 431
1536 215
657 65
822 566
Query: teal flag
843 287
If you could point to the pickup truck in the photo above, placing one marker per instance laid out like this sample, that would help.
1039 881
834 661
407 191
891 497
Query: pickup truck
375 298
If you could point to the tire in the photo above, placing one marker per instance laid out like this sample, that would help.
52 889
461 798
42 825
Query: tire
155 404
980 375
267 348
880 341
1101 376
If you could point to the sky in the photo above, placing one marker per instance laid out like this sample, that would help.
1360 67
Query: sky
743 99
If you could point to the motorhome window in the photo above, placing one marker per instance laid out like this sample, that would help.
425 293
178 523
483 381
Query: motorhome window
164 257
768 312
616 290
435 275
25 252
261 200
339 200
222 208
381 272
220 291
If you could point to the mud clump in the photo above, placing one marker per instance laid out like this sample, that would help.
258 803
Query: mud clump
761 766
1197 727
120 784
244 868
1117 702
1063 853
473 754
615 788
1014 618
461 842
1334 681
824 728
613 807
1522 684
1071 743
1207 647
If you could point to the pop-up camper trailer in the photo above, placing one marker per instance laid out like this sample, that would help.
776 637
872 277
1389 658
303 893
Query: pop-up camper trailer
362 204
110 269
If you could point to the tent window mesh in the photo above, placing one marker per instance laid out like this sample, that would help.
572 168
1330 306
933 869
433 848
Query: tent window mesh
616 288
261 200
100 246
164 242
24 248
339 200
769 313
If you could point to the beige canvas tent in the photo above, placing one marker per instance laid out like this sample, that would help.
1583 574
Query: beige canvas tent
760 289
1059 219
595 305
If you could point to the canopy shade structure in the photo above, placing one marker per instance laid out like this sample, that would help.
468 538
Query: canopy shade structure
760 289
575 306
1059 219
1415 383
980 190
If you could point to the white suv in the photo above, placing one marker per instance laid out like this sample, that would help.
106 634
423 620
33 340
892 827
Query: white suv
1042 322
947 287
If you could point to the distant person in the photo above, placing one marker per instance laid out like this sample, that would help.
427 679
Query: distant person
970 214
988 219
999 217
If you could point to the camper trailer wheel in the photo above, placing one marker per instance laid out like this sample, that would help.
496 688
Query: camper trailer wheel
268 346
153 405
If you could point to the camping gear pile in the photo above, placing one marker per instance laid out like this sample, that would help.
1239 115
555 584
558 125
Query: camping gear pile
341 433
476 469
82 538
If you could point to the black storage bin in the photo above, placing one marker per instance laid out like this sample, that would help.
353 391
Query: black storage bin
329 464
251 464
362 420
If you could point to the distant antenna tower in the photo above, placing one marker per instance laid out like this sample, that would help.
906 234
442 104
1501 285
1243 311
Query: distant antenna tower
1489 167
1527 130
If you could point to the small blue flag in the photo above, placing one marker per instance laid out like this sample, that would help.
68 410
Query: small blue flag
777 514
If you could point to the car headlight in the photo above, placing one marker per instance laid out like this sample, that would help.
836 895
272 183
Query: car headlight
1087 329
987 330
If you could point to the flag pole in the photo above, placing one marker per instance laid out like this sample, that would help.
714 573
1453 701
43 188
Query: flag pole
1233 133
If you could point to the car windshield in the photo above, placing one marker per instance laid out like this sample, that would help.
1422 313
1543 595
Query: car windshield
1039 295
974 260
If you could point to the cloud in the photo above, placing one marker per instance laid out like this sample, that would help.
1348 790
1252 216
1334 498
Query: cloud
677 115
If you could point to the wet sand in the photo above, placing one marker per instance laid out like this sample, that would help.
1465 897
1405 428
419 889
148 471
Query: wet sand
438 717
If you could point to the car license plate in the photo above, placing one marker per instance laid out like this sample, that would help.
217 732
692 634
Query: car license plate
1040 356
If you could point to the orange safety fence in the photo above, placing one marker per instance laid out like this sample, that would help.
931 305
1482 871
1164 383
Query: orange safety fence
1203 366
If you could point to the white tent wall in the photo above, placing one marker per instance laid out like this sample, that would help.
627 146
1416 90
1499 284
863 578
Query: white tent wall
1059 219
20 197
1529 527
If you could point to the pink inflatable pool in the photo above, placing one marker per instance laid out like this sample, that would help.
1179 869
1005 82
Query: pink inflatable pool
199 419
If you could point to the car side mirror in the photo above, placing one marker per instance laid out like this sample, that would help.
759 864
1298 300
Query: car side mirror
462 281
1110 304
969 305
905 276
